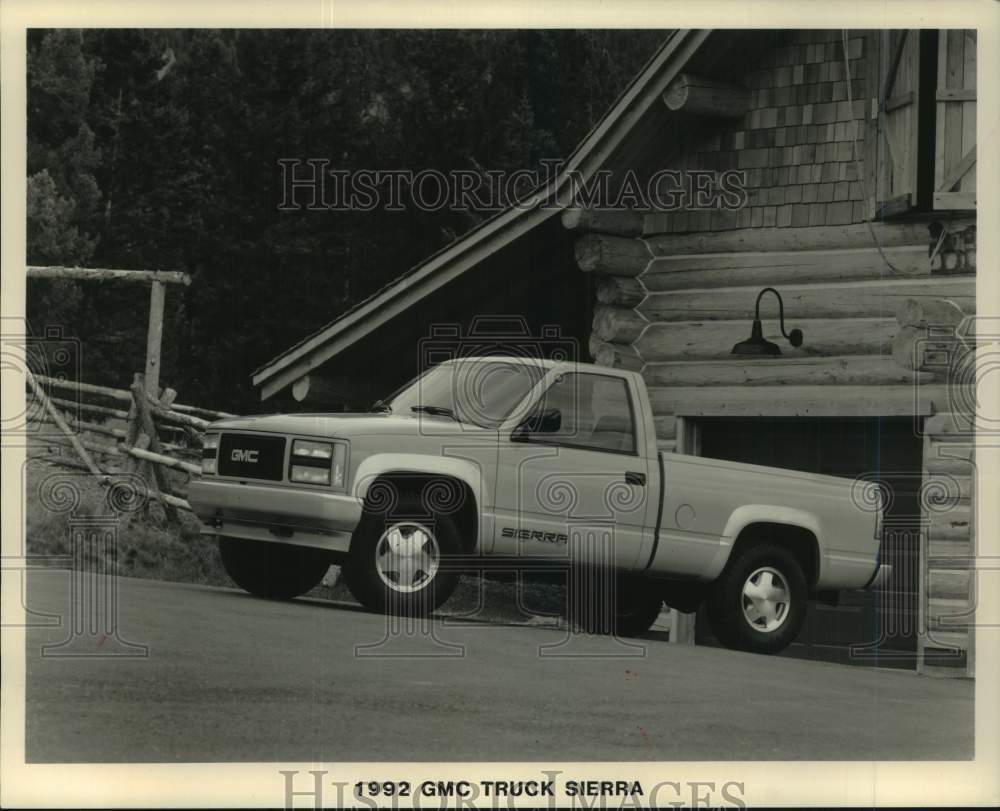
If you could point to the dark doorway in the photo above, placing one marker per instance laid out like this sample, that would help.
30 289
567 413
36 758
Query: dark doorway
867 627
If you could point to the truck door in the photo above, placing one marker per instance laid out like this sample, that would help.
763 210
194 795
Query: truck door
573 479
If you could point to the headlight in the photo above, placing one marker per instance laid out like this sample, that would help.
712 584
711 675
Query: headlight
310 475
318 462
209 452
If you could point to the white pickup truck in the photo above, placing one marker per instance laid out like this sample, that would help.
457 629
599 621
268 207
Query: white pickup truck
501 463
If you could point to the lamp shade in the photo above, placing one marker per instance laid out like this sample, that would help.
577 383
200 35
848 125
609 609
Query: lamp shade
756 344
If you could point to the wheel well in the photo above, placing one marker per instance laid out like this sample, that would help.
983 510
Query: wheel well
439 493
799 541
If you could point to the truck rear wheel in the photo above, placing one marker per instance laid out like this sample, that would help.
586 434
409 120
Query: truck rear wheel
758 604
395 565
276 571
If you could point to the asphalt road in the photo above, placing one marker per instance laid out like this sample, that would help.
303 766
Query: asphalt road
232 678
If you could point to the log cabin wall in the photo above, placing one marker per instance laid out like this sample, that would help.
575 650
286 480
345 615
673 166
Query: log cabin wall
676 290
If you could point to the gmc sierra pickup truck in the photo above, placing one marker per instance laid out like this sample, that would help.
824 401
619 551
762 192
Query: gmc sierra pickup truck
493 463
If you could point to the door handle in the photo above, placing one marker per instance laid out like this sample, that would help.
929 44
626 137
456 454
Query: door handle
638 479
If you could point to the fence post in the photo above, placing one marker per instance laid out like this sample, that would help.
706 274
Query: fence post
158 480
157 294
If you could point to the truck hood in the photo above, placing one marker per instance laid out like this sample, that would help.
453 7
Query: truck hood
345 425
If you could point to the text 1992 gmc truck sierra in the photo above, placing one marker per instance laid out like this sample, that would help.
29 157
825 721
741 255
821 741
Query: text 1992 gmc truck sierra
529 463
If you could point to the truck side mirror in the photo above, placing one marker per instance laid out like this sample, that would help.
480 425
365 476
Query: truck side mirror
548 421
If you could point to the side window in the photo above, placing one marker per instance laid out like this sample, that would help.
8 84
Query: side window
595 412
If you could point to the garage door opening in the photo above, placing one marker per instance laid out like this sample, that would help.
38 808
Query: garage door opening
866 628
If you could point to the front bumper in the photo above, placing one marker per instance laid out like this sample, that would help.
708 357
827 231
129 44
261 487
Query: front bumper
277 513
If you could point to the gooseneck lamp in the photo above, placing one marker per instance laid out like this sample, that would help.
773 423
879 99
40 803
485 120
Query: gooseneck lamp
757 345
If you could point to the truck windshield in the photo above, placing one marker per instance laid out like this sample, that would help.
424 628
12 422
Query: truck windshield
481 392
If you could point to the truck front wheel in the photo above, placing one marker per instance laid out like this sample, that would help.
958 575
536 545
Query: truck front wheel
758 604
273 570
396 566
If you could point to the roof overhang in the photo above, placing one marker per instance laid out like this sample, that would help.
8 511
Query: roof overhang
595 152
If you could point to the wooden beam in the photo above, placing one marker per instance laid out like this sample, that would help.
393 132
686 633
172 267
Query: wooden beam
753 240
798 401
617 324
619 256
693 340
954 200
85 388
712 97
154 337
56 417
159 482
929 313
916 348
108 275
684 272
620 290
851 370
165 461
615 356
959 171
619 222
854 300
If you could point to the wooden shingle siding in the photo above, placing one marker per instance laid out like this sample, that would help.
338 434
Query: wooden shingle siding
796 144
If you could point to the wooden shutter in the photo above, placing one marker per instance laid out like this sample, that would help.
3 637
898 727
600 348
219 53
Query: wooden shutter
897 105
955 145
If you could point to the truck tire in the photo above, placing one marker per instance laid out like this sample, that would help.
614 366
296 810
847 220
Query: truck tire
276 571
395 562
636 607
758 604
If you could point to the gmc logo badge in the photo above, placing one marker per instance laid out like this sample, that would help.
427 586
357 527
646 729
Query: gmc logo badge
239 455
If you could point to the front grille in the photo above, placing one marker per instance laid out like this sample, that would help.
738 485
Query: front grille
250 456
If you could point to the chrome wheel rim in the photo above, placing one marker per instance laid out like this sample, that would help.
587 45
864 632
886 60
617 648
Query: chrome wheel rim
766 598
407 557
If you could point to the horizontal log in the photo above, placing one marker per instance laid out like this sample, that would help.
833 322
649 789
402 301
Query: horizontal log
174 501
85 388
796 401
948 427
198 411
179 419
915 348
929 313
93 427
948 583
951 458
73 406
876 298
90 445
820 237
870 370
763 269
108 275
619 256
698 95
617 324
620 222
937 639
615 356
715 339
72 463
666 426
162 460
620 290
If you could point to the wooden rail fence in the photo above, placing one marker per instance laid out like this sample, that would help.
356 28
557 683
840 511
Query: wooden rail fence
107 431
